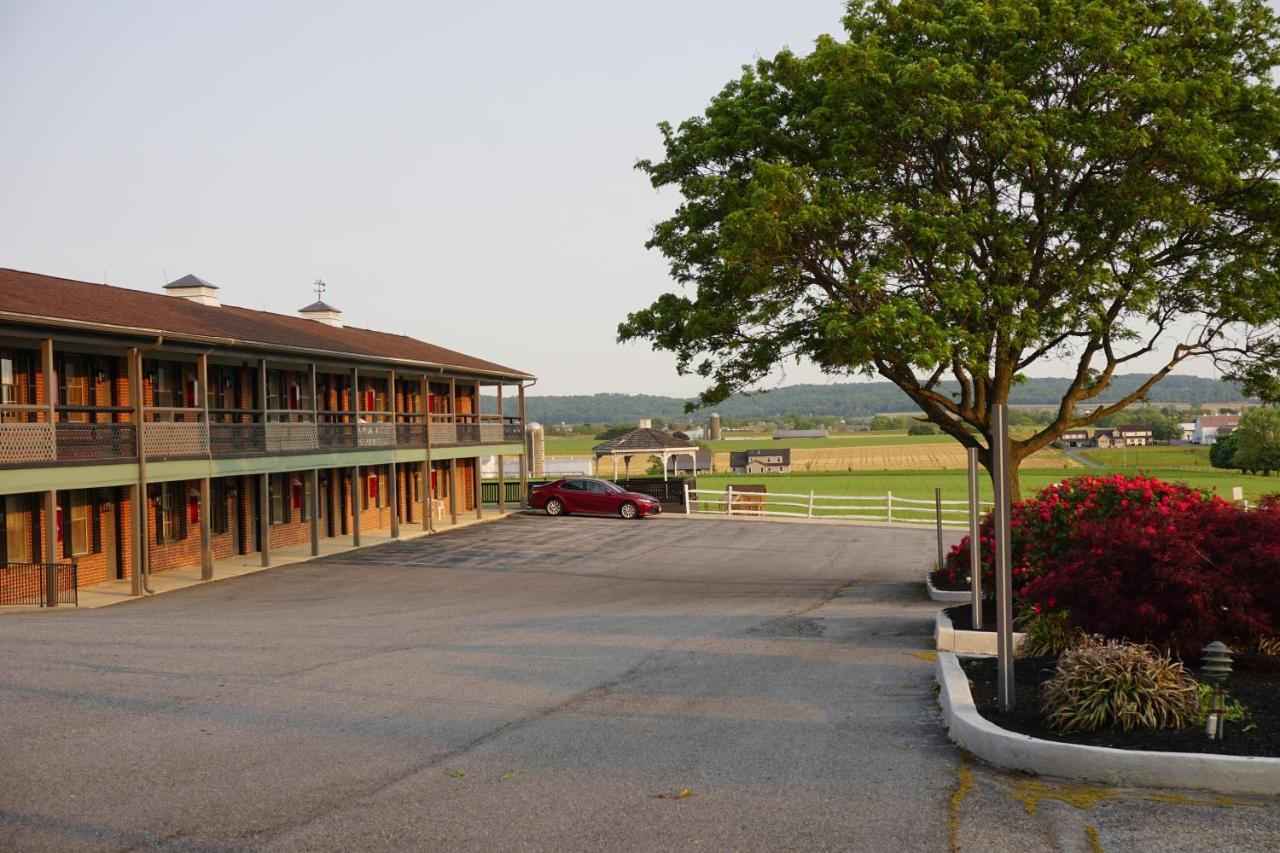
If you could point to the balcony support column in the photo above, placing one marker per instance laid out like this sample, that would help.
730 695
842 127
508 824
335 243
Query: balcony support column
51 554
314 501
50 381
138 491
453 491
206 537
356 500
393 484
425 405
206 534
524 454
479 483
264 516
502 469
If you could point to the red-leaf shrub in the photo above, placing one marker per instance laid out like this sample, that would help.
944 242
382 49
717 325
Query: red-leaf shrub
1173 576
1044 526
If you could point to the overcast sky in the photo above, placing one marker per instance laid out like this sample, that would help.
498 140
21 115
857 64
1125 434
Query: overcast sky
459 172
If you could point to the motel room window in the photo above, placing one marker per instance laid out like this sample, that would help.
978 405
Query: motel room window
218 515
17 529
77 535
17 382
170 512
302 496
279 499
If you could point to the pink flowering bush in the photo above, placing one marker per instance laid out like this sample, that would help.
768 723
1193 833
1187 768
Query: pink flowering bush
1044 526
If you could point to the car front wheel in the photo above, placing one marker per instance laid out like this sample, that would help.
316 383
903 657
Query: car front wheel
628 510
555 507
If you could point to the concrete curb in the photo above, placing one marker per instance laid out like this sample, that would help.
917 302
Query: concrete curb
947 596
1227 774
965 642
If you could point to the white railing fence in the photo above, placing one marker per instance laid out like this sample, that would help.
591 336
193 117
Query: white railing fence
886 508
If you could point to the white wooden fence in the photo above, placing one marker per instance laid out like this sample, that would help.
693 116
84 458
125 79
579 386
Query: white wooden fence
885 508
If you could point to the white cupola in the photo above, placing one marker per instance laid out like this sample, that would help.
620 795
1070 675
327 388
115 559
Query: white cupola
195 289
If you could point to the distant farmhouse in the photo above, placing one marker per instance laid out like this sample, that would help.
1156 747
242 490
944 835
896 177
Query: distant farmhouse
773 461
799 433
1076 438
1132 435
1210 428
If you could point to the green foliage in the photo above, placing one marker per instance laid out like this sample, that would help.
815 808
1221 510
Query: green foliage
615 431
1258 441
919 428
962 189
1049 633
1236 711
844 400
884 423
1222 453
1121 685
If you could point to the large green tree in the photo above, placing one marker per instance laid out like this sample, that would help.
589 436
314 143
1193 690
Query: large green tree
1257 441
957 190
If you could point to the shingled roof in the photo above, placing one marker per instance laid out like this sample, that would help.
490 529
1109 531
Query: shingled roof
640 440
40 299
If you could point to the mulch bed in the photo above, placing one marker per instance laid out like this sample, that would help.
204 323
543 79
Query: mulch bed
1255 682
961 616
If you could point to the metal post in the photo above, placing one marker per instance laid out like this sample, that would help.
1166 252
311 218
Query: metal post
427 497
888 502
206 534
687 509
502 472
975 540
937 506
315 512
1000 477
264 517
524 453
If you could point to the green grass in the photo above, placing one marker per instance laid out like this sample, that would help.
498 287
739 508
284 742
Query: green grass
1156 456
920 485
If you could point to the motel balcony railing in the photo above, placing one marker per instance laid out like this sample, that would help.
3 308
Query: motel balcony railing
27 438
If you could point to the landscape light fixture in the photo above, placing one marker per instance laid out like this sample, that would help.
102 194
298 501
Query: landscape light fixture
1215 669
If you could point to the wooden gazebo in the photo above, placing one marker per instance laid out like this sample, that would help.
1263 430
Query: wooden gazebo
645 442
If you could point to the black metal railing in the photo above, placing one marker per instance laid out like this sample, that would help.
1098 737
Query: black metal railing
335 436
411 435
81 442
237 439
43 584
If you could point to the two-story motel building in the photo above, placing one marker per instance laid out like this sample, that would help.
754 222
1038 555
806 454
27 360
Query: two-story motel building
259 431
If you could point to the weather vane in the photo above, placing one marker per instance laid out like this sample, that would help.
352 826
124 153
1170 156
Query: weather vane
321 287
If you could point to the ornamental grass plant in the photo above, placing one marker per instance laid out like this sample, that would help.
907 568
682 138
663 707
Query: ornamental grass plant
1106 683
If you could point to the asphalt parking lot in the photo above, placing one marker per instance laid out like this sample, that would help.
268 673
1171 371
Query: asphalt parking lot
536 684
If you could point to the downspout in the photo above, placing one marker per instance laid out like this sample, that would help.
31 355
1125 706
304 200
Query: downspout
143 508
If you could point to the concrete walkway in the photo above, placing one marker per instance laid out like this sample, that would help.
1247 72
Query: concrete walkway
539 684
121 591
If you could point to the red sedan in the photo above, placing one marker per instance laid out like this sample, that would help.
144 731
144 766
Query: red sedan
593 497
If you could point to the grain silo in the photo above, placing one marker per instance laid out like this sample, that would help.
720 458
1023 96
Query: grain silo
715 427
536 450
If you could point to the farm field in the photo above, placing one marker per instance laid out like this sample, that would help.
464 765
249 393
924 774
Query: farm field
581 445
902 456
1138 458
